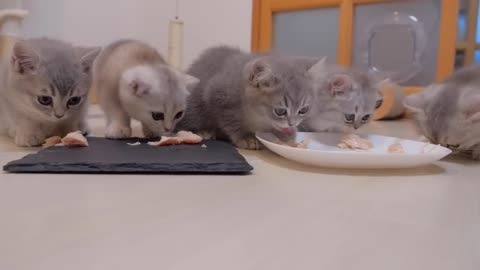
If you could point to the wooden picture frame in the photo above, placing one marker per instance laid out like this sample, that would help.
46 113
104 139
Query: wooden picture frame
262 29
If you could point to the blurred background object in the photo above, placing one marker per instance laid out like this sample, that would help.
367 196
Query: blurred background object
11 19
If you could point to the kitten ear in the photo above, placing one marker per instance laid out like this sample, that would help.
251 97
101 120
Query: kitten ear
260 75
318 68
87 57
190 82
418 102
24 58
340 85
139 87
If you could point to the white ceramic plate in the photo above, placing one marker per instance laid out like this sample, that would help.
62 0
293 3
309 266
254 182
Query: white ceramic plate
322 151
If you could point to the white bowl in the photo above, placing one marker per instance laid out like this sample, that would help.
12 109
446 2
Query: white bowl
322 151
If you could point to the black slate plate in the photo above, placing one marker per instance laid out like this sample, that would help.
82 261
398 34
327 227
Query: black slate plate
116 156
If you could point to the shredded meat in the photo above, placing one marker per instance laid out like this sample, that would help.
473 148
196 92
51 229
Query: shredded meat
52 141
75 139
396 148
355 142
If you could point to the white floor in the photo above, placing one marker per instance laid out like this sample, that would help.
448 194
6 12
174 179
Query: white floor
283 216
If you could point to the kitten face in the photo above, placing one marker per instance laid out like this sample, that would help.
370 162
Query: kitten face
346 99
156 96
356 103
53 87
278 98
448 114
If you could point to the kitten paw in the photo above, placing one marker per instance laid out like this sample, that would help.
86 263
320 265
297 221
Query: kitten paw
249 143
118 132
29 140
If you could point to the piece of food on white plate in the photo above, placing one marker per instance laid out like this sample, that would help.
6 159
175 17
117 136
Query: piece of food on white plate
303 144
396 148
355 142
52 141
75 139
189 137
164 141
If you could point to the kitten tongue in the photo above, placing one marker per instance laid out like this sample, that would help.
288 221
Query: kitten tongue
287 131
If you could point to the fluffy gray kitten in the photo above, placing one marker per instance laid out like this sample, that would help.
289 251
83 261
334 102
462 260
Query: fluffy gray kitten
448 113
44 90
134 81
346 98
240 94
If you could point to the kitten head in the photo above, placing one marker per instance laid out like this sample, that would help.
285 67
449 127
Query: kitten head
50 79
347 97
278 92
448 114
156 95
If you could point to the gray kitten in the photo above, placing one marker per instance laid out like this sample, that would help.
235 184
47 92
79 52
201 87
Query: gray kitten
448 113
346 98
44 90
134 81
240 94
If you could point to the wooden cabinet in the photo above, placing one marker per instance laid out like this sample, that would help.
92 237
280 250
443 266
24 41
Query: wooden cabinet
413 41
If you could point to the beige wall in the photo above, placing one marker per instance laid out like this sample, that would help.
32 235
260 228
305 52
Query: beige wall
98 22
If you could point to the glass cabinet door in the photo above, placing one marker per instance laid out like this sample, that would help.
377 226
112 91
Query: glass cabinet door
311 32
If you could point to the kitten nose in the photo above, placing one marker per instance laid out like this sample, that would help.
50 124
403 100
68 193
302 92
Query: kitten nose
292 122
59 115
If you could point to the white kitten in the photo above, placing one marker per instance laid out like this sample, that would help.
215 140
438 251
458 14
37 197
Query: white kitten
44 90
133 81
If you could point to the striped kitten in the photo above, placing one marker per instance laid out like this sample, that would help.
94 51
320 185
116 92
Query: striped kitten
448 113
240 94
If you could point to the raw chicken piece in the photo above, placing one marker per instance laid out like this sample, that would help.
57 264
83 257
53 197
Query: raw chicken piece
75 139
396 148
52 141
189 137
166 141
355 142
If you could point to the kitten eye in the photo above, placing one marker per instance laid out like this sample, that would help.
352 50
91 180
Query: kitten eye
378 104
304 110
157 116
179 115
366 118
349 118
280 111
74 101
45 100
